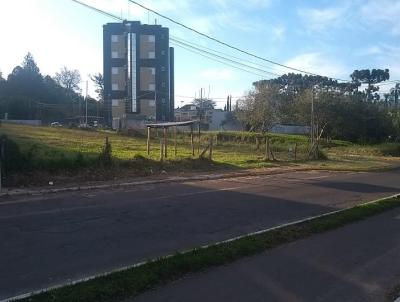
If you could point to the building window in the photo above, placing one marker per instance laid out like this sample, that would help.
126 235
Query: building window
115 103
114 86
163 84
147 47
114 38
114 55
153 71
147 78
162 68
152 103
114 70
163 52
163 100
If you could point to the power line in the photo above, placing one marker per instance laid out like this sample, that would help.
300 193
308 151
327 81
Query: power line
98 10
186 43
227 44
225 54
224 58
214 59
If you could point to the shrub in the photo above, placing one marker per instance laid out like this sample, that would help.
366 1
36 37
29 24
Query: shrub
12 158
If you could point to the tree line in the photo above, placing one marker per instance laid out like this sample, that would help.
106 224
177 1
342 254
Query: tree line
350 110
27 94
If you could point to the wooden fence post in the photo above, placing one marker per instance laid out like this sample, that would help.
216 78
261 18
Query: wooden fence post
161 150
199 134
175 140
148 140
191 139
295 151
267 148
165 142
211 148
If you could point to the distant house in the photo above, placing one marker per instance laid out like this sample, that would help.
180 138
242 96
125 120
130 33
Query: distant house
213 120
186 113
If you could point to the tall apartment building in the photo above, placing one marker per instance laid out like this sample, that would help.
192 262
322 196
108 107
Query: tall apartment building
138 74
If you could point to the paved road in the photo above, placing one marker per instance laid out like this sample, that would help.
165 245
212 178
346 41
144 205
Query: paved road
359 262
49 240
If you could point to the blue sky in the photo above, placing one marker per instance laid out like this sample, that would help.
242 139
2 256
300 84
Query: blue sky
330 38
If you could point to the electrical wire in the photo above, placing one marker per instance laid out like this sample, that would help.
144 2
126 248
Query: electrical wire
224 58
227 44
214 59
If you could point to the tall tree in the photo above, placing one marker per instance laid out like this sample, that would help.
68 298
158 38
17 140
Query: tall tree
98 81
29 64
69 79
395 94
370 77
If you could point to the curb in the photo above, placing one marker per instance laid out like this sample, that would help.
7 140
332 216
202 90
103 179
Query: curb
72 282
176 179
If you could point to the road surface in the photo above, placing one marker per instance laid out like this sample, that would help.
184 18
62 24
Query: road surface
48 240
359 262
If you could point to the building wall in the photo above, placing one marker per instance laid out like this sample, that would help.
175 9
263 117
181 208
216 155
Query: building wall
137 71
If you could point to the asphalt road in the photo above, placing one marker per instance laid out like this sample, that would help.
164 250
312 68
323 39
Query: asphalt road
47 240
359 262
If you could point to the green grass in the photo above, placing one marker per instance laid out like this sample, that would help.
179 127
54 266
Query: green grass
121 285
61 151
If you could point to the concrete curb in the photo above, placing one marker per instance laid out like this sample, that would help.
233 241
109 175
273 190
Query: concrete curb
176 179
72 282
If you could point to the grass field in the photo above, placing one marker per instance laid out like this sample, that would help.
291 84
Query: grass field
63 151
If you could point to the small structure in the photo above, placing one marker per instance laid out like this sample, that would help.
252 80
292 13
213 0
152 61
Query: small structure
166 126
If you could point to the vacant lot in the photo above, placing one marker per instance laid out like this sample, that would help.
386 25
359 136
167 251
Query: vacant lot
76 152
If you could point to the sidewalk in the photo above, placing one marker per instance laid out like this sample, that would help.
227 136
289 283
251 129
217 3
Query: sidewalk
162 178
359 262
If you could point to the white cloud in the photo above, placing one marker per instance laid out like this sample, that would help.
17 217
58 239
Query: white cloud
248 4
383 12
318 19
371 50
278 32
203 24
315 62
217 74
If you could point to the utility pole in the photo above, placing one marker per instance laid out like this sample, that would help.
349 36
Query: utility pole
312 116
86 97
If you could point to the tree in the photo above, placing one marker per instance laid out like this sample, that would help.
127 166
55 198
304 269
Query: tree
394 94
69 79
202 106
370 77
259 109
30 65
98 81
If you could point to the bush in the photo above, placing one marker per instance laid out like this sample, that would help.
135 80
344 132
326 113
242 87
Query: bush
12 159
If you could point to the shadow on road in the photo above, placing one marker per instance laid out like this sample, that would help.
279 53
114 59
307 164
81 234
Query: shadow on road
356 187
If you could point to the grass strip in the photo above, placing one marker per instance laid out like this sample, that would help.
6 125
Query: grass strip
133 281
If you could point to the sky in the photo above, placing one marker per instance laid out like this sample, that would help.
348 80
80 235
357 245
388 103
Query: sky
330 38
